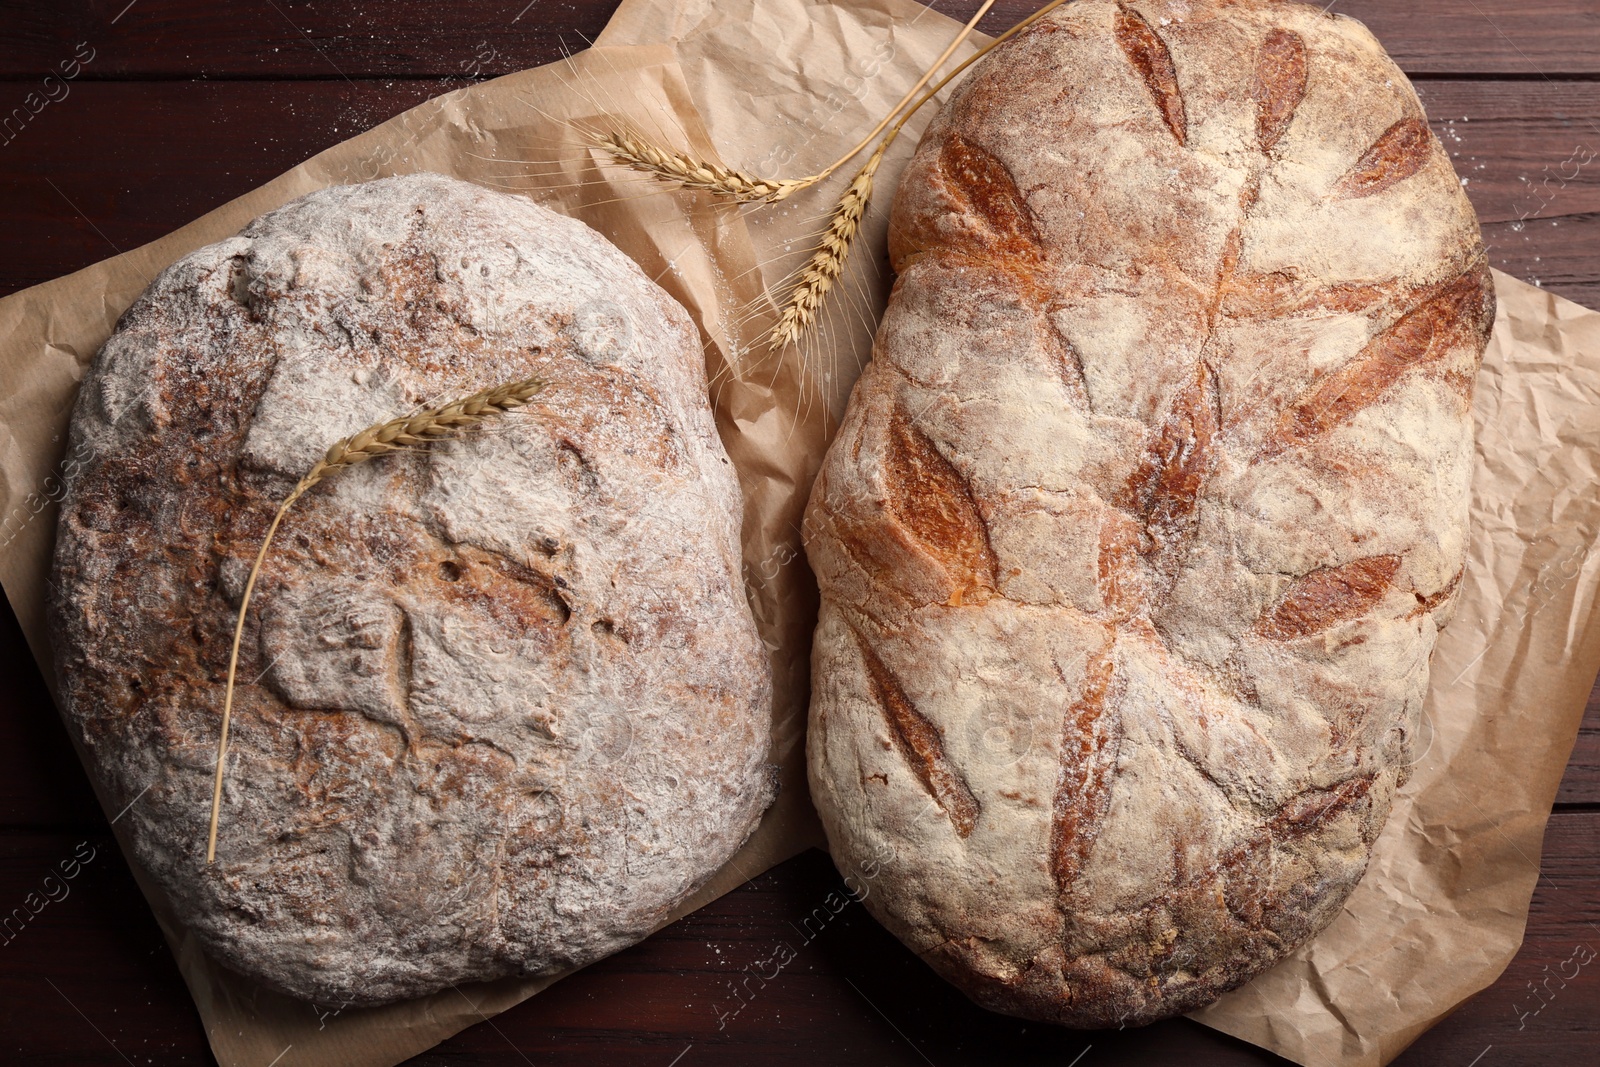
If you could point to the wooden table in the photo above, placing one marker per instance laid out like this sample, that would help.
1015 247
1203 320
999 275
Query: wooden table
180 105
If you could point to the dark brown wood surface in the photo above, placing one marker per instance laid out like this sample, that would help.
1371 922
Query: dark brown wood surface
186 104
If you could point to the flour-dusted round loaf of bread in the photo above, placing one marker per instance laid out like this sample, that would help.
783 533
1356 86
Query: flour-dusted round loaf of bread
501 704
1137 536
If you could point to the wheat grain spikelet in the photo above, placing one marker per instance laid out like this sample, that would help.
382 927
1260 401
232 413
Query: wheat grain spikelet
827 262
691 173
396 435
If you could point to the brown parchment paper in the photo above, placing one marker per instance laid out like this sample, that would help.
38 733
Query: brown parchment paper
782 87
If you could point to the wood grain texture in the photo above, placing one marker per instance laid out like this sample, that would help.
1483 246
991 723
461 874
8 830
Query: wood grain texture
847 993
379 39
87 979
140 155
1581 784
1542 38
408 38
42 784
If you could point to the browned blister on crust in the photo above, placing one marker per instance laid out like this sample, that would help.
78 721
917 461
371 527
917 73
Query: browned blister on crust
1142 523
1088 759
1164 493
986 190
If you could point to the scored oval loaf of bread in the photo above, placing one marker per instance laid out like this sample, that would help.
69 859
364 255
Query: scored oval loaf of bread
501 703
1137 536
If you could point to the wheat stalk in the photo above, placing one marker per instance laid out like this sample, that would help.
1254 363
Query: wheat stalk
396 435
818 277
827 262
743 187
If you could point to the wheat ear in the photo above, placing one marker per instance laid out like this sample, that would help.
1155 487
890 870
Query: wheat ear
677 167
827 262
396 435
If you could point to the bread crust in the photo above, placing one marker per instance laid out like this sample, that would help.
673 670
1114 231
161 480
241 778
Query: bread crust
1142 522
502 704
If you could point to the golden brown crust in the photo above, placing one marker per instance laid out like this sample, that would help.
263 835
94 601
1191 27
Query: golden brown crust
1149 507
